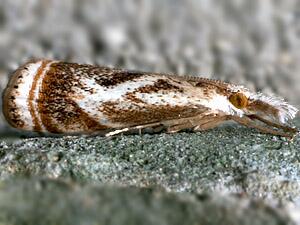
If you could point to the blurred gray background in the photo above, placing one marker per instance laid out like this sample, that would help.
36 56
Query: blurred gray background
255 43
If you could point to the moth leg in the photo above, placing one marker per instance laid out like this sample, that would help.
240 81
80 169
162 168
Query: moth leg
183 123
285 128
210 122
126 129
172 125
178 127
200 122
249 123
115 132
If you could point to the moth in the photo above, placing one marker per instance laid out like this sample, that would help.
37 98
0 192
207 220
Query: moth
61 97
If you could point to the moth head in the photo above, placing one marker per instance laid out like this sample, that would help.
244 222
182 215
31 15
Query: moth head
271 108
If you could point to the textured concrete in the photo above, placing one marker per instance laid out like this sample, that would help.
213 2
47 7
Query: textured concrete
44 201
221 162
229 159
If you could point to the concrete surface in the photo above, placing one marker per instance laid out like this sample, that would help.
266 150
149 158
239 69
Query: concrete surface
229 159
45 201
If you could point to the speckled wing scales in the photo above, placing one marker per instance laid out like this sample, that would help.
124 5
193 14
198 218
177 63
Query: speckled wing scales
72 98
60 97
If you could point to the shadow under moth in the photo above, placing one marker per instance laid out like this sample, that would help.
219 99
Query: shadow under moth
60 97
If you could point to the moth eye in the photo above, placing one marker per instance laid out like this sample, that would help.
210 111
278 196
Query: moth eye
239 100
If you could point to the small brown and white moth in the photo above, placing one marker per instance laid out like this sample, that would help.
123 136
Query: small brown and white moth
60 97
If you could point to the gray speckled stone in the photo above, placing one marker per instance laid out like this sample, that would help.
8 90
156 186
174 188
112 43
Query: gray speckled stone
44 201
229 159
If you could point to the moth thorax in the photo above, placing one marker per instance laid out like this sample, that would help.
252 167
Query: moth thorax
239 100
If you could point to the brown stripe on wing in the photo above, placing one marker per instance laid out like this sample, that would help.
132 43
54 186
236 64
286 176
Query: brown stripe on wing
199 80
115 77
103 76
30 99
58 112
64 115
209 85
145 114
159 85
211 88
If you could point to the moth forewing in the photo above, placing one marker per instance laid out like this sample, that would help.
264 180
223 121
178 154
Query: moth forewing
60 97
